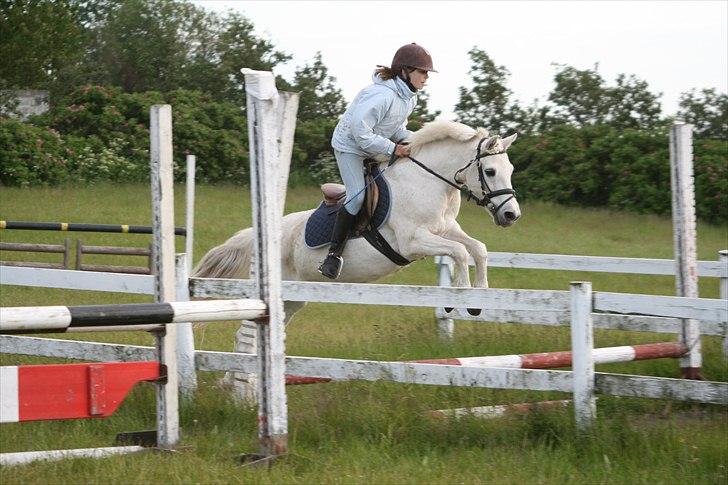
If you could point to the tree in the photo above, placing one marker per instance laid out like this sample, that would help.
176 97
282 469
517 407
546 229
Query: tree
318 95
421 114
39 37
488 103
583 98
707 111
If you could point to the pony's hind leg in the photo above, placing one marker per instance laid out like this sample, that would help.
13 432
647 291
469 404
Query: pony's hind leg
244 385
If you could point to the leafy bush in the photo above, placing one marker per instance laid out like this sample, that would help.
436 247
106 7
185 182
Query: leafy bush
31 155
622 169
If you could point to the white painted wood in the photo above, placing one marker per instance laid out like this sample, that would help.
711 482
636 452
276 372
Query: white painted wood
396 295
25 457
405 372
614 321
162 180
77 280
262 98
445 324
75 349
9 402
723 259
582 344
662 388
684 233
706 309
217 310
32 318
286 110
190 211
185 335
596 264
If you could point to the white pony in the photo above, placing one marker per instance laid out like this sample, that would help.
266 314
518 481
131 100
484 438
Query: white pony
446 158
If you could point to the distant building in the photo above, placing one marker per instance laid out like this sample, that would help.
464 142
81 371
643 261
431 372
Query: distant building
31 102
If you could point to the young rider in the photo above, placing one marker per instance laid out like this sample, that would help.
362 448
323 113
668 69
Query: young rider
374 124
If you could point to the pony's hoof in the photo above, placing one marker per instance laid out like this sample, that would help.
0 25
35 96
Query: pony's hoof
448 309
475 311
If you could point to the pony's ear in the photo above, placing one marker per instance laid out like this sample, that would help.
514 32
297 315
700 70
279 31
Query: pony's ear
508 140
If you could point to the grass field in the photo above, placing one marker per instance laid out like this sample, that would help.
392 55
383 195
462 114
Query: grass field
378 432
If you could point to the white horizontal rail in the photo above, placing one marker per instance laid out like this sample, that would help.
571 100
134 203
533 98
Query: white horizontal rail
601 264
611 321
704 309
341 369
398 295
77 280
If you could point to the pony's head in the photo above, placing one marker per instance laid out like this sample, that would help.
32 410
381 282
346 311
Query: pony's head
485 169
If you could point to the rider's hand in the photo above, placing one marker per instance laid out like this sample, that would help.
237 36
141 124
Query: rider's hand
402 150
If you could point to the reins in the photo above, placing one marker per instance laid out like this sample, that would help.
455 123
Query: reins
488 194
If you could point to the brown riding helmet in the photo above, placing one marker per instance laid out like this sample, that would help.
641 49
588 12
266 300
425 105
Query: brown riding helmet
412 55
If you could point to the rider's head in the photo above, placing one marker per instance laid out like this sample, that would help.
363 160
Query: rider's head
412 63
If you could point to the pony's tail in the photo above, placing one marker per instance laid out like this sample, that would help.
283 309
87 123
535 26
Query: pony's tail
231 259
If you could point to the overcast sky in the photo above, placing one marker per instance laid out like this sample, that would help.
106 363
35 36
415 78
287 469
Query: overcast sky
673 45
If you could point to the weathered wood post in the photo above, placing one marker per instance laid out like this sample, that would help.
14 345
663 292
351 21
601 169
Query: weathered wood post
164 270
185 335
262 98
684 230
723 259
582 345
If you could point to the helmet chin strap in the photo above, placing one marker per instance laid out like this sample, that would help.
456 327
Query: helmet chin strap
406 79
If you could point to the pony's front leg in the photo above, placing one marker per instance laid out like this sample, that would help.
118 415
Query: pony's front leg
476 249
428 244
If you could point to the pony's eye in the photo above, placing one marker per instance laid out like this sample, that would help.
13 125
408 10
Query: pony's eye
490 172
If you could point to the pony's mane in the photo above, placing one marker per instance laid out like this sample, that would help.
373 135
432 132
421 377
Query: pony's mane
441 129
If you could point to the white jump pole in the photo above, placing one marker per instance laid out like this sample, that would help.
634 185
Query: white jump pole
164 269
262 98
684 230
582 345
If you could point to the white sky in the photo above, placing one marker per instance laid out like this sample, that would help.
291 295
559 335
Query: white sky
673 45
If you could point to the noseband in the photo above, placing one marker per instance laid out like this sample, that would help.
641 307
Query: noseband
488 194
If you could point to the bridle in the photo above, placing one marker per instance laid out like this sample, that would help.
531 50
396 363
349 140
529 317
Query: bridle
487 198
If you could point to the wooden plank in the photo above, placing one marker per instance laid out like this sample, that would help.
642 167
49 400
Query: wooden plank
596 264
394 295
704 309
612 321
77 280
404 372
74 349
32 247
115 250
662 388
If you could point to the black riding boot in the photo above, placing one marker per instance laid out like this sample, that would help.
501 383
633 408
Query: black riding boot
331 267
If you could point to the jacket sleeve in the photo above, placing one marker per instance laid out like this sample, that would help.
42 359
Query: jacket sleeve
402 134
363 120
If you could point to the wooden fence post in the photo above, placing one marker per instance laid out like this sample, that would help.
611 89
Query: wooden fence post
684 230
582 345
164 266
262 98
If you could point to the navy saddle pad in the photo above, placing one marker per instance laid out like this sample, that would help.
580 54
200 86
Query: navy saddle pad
321 223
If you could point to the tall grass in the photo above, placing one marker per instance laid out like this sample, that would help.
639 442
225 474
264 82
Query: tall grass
357 432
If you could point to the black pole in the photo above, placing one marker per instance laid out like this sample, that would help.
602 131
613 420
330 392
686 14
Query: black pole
78 227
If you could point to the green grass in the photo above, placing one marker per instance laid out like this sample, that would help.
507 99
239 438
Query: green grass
359 432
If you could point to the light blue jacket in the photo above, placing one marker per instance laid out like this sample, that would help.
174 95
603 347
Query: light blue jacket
376 119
